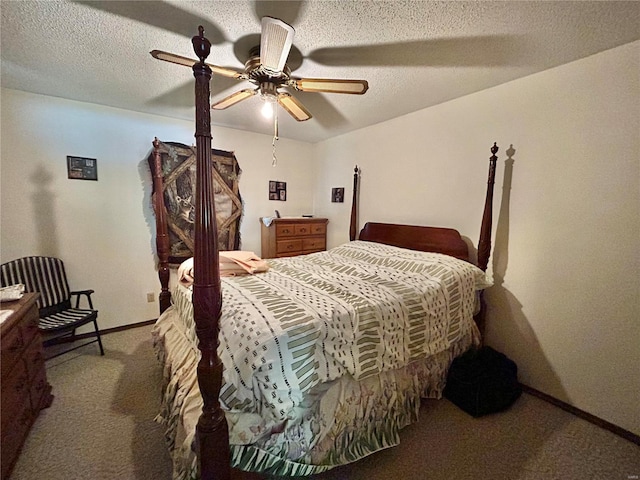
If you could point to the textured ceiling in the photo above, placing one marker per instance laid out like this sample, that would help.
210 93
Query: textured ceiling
414 54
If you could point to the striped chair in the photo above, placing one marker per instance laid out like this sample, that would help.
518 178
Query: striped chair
58 319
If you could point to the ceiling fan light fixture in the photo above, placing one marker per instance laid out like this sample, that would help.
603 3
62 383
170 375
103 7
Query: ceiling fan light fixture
268 106
276 41
269 95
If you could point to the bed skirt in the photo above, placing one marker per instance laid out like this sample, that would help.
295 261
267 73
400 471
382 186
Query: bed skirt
339 422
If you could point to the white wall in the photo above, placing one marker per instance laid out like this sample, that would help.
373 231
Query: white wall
566 300
105 230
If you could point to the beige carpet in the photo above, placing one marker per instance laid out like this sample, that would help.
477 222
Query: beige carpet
100 427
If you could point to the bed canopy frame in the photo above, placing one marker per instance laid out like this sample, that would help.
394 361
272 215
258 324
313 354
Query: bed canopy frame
212 432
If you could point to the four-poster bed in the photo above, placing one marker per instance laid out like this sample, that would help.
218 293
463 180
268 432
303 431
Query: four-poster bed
308 417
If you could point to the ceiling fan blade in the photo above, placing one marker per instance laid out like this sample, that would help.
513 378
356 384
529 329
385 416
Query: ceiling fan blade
189 62
275 43
293 106
172 57
234 98
328 85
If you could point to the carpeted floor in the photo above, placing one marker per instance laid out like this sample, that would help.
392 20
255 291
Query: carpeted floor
100 427
100 424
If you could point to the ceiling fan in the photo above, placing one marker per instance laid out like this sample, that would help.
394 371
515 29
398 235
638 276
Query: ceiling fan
268 71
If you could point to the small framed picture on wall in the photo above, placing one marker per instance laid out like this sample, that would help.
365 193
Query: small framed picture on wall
277 190
337 195
81 168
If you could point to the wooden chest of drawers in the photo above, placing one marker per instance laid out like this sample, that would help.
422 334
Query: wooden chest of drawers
25 390
286 237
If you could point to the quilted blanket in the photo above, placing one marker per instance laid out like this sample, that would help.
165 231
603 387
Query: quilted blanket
359 313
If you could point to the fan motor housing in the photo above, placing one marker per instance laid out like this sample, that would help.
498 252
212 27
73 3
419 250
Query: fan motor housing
258 74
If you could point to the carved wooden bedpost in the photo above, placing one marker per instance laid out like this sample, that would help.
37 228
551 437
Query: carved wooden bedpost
162 232
211 431
353 226
484 243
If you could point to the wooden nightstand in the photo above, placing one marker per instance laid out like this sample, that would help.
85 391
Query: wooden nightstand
286 237
25 390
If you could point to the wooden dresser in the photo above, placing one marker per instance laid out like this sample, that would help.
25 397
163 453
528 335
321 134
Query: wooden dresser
25 390
286 237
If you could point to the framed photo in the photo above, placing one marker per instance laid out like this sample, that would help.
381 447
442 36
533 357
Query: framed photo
277 190
81 168
337 195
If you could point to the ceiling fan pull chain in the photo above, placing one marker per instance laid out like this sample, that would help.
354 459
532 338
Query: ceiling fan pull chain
274 162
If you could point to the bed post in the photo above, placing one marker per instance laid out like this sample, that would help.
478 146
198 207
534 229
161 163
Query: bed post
484 243
211 432
353 226
162 232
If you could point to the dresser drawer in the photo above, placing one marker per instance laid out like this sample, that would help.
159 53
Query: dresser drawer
303 229
286 246
285 237
15 394
34 358
16 339
318 229
25 390
12 347
285 230
313 243
311 229
14 434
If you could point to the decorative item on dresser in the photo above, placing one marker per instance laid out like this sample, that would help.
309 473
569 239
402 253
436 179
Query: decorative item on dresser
25 390
287 237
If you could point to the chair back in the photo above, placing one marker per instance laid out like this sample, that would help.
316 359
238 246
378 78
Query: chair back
45 275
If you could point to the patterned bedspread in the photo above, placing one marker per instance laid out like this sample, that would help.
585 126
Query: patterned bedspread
380 318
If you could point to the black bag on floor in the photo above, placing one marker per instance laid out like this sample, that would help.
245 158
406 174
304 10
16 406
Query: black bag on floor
482 381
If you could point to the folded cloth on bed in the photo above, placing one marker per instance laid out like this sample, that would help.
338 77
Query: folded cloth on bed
232 263
248 261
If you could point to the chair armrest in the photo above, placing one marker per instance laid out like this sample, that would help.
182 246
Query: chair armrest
87 293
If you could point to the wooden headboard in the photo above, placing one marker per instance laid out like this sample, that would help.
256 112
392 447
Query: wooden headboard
424 239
